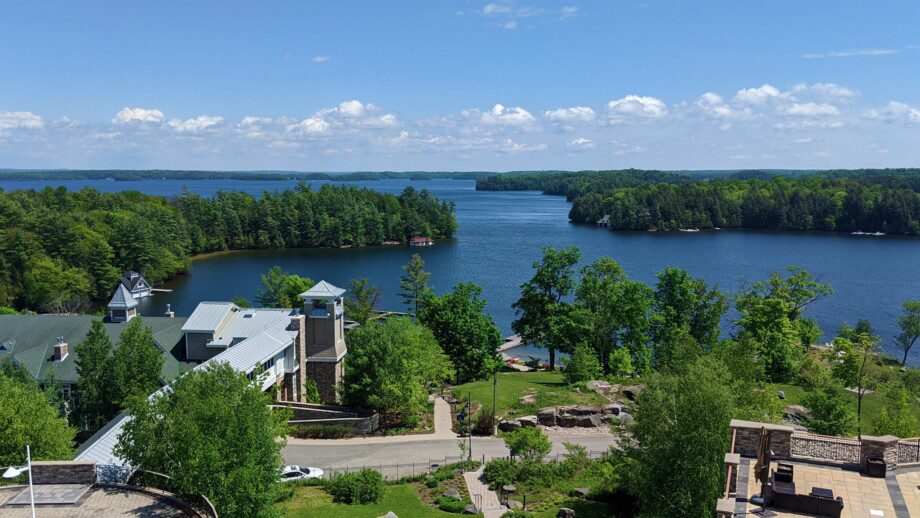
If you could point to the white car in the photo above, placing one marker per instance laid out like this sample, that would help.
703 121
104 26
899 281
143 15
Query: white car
289 473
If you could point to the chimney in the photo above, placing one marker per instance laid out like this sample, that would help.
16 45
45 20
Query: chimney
60 349
169 312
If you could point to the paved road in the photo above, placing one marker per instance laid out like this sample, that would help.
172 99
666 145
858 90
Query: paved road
328 456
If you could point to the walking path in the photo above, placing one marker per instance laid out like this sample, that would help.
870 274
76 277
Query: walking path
442 430
487 500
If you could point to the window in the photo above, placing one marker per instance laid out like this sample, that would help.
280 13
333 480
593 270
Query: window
267 365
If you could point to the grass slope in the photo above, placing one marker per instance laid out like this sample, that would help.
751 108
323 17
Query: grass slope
549 388
402 499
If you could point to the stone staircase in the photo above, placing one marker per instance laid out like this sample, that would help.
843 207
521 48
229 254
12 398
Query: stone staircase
483 498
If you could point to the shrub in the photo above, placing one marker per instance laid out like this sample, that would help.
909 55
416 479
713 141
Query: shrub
621 363
529 443
537 473
582 365
319 431
361 487
452 505
830 414
517 513
500 472
485 423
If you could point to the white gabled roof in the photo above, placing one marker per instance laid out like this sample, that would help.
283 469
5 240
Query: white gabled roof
122 298
207 316
257 348
323 290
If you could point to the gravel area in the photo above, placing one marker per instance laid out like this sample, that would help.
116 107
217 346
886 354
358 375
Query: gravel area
559 431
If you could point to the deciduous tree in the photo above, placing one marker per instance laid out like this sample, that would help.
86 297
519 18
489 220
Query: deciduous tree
465 332
96 403
391 367
28 417
214 434
137 363
542 312
909 323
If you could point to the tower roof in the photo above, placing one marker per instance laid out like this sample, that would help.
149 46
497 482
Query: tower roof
323 290
122 298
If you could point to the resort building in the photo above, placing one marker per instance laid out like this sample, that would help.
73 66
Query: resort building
421 241
280 349
44 344
136 284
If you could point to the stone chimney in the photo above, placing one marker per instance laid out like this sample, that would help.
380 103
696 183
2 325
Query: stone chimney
60 349
169 312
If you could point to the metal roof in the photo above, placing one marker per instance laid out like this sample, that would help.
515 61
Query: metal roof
323 290
122 298
243 356
208 316
247 322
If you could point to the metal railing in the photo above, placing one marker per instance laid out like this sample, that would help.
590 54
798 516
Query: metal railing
164 483
398 471
825 447
909 451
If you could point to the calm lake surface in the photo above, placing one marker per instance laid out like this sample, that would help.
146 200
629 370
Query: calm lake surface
501 234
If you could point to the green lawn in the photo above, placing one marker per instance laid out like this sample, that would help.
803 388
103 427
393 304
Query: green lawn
549 387
873 404
402 499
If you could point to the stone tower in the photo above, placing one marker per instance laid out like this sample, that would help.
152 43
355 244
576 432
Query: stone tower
322 342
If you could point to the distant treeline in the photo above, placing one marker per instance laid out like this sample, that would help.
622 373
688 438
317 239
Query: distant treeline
886 200
167 174
61 249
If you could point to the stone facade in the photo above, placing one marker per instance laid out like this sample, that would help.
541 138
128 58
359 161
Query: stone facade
64 472
885 447
298 322
747 438
326 375
286 388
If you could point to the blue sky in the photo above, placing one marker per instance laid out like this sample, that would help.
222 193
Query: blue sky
459 85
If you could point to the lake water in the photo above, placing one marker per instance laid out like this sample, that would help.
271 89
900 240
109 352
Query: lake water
501 234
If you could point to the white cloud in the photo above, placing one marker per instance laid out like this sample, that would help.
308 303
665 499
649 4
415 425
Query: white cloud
712 105
851 53
494 8
581 143
129 115
895 111
510 146
636 107
823 91
569 10
320 59
501 115
806 140
573 114
352 108
310 126
757 96
196 125
511 25
810 110
20 120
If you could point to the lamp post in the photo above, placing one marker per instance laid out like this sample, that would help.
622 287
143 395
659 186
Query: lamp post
15 471
494 389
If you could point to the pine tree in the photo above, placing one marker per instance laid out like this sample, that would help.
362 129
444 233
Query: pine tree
137 363
414 284
94 367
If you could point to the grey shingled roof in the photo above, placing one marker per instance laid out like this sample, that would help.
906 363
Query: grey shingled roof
122 298
323 290
31 338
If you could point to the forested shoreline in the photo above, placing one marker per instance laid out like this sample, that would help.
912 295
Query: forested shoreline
867 200
272 176
60 249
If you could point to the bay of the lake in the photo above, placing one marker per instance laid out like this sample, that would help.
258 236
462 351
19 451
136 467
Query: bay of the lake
500 236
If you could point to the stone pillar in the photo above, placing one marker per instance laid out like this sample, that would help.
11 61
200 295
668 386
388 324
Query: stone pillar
299 322
748 438
885 447
327 376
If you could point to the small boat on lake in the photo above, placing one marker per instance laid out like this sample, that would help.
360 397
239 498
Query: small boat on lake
689 229
858 233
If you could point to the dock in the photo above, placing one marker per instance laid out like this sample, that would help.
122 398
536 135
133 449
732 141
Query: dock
160 290
510 342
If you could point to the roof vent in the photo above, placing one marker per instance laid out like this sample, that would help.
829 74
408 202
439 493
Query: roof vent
249 313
